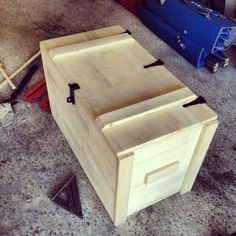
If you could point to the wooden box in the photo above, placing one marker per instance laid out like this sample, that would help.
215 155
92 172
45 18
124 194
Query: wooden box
138 132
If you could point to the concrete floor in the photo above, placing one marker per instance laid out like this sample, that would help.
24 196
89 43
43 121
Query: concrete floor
34 156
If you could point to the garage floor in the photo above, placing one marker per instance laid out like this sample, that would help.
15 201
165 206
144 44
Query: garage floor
34 156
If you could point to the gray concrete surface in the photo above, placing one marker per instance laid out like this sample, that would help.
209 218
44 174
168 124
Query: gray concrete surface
34 156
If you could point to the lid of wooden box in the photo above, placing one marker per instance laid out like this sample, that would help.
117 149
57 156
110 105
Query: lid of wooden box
132 104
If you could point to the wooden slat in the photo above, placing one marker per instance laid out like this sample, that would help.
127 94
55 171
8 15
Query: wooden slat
203 144
17 71
202 113
7 79
125 166
89 45
138 110
160 173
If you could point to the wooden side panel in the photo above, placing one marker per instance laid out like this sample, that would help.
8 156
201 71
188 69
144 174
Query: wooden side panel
86 141
88 151
125 166
203 144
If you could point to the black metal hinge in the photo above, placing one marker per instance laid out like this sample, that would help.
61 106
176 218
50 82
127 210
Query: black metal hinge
127 32
199 100
72 87
159 62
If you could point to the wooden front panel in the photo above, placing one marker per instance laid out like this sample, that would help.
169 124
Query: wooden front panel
159 169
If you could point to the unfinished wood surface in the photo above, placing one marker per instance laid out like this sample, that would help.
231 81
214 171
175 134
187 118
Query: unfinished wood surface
126 136
128 128
101 172
80 37
138 110
99 166
83 47
149 160
150 157
112 77
125 166
160 173
201 148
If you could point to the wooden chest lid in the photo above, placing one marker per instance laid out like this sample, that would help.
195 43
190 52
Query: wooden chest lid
111 73
131 104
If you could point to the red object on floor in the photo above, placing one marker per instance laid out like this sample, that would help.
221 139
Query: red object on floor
44 104
32 94
38 93
36 96
131 5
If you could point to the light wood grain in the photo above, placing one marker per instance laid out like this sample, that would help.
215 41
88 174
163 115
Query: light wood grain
160 173
138 110
125 166
7 79
128 136
101 172
201 148
128 128
113 77
149 159
95 44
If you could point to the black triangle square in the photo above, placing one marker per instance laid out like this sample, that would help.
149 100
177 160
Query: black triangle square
68 197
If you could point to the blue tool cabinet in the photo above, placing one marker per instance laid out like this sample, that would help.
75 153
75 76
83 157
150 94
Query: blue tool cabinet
198 33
